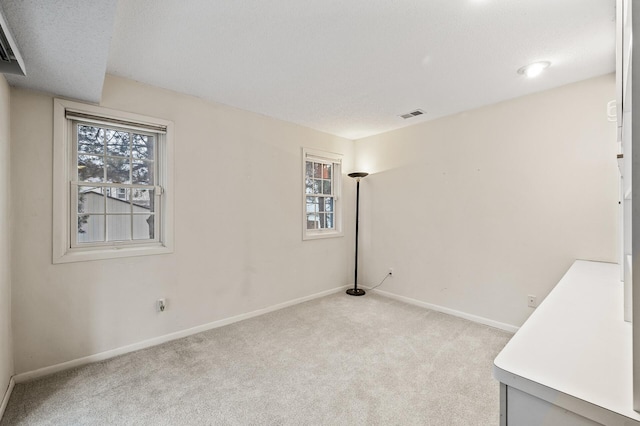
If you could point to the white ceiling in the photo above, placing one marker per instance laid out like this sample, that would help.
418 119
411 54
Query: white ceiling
64 44
348 68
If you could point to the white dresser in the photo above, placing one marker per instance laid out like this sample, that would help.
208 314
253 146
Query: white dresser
571 361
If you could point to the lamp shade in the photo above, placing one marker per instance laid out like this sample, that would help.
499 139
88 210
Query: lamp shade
358 174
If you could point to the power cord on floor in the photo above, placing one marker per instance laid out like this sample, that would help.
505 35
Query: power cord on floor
383 280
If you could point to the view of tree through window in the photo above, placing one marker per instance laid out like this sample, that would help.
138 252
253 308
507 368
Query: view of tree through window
320 197
115 184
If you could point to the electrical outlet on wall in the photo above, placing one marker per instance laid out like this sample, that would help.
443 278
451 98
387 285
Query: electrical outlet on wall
532 301
161 305
391 271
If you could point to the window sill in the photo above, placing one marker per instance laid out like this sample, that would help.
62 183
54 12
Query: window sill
82 255
321 235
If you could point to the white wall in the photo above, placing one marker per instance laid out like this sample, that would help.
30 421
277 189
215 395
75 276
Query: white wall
478 210
473 212
226 261
6 344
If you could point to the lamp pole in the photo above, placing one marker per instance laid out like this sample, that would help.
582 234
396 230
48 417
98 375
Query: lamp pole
355 291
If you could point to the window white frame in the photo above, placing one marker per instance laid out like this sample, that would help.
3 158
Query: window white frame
335 159
65 161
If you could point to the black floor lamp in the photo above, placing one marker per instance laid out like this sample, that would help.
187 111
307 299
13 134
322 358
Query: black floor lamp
355 291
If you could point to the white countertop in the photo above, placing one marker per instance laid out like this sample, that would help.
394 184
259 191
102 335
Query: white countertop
575 349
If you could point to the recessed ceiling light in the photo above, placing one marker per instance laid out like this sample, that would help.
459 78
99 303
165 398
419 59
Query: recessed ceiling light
534 70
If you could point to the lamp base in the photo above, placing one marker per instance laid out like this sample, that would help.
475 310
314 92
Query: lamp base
355 292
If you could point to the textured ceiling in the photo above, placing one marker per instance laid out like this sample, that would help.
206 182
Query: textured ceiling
64 44
344 67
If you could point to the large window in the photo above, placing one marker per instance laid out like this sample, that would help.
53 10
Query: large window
321 195
112 180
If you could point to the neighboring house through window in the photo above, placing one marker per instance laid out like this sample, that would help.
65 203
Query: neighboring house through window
322 177
112 183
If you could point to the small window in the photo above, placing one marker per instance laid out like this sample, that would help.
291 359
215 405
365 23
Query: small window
122 193
321 194
112 184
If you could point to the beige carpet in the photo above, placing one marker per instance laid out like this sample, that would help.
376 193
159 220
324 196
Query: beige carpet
338 360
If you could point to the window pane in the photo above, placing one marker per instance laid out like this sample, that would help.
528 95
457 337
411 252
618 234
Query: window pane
90 228
118 227
328 204
308 170
143 147
330 220
308 178
118 200
312 221
326 187
118 170
90 140
326 171
143 200
312 204
142 172
143 227
117 143
90 168
322 218
317 170
90 199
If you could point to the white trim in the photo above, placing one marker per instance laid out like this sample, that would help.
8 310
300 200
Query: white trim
112 114
7 395
112 253
103 120
45 371
475 318
62 251
319 234
326 156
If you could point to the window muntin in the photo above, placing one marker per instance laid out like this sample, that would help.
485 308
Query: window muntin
321 198
113 186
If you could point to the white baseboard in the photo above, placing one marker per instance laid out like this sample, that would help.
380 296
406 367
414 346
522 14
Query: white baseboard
7 395
481 320
101 356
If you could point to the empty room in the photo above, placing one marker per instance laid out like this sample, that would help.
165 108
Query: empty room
318 213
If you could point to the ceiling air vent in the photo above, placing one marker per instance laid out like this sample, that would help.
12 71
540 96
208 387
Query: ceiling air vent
412 114
10 59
